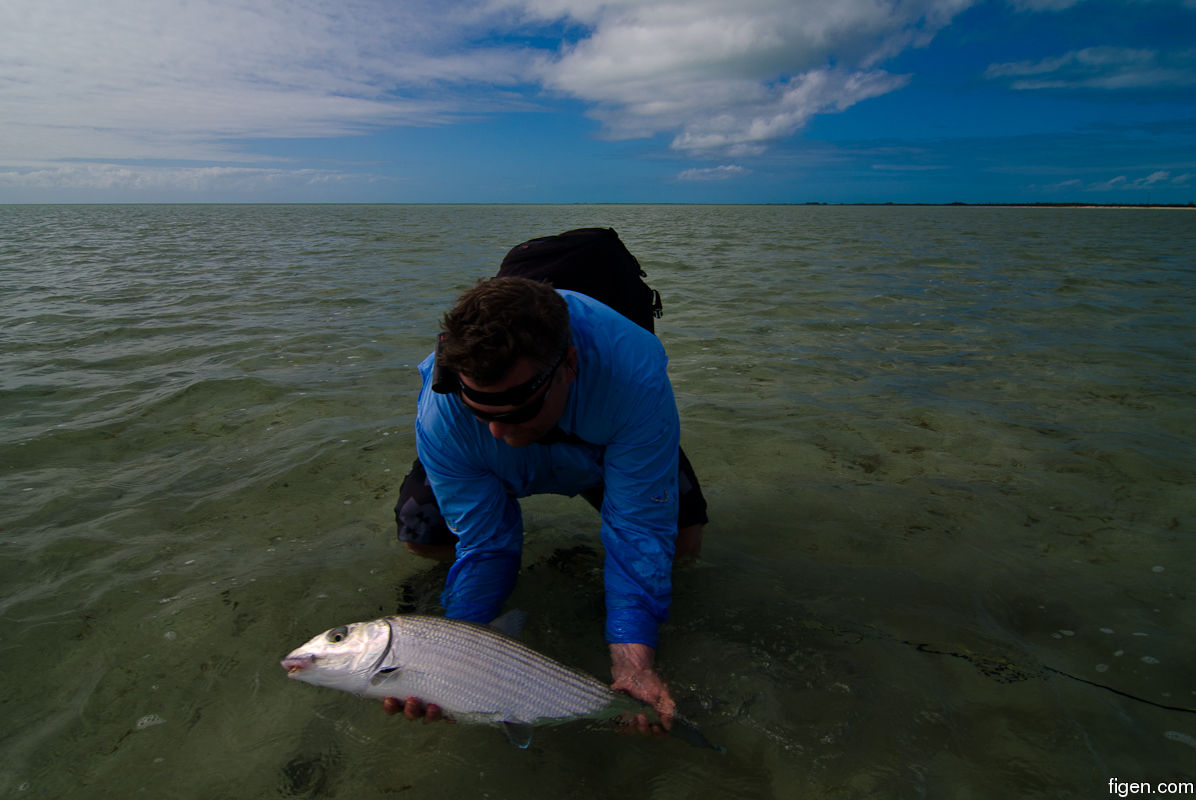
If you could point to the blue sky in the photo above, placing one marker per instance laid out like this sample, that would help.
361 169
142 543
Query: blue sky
565 101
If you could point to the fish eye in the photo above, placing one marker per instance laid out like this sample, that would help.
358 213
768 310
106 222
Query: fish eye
337 635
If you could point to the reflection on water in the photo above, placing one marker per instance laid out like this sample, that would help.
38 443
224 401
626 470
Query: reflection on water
947 452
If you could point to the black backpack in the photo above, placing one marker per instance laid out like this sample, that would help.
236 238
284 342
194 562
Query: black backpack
593 261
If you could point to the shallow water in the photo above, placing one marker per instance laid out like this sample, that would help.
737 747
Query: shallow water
949 454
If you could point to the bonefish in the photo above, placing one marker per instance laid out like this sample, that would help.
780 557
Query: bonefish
475 673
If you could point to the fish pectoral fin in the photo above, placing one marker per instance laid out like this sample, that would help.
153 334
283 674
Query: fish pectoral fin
518 734
382 675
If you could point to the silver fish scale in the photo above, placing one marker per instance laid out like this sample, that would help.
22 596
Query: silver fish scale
472 670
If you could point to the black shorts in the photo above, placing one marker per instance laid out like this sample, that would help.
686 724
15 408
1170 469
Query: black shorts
419 521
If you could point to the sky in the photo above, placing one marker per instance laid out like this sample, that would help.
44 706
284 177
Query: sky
597 101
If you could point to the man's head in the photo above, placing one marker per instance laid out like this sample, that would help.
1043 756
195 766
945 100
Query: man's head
499 321
508 339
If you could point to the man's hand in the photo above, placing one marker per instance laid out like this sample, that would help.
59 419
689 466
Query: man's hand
413 708
631 667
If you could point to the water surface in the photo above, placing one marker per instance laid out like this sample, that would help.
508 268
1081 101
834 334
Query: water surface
948 453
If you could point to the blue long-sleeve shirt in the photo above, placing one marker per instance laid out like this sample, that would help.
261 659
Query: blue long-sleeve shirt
621 403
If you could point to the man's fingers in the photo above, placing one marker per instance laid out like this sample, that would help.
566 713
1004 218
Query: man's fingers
413 708
666 709
639 724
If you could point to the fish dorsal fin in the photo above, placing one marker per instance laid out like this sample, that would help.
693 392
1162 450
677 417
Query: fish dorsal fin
510 623
518 734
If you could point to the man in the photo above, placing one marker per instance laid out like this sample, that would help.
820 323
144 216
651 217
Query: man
538 391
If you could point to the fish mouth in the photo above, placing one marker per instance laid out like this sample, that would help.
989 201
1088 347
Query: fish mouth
296 664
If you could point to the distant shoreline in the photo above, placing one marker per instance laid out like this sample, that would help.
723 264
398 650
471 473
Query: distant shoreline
1115 206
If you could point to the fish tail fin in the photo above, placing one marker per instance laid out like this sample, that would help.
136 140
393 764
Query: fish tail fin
687 732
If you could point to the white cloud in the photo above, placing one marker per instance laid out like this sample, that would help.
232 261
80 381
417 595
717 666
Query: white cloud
908 167
1043 5
1074 183
1153 178
1063 5
1156 179
1101 68
720 173
192 81
746 127
168 79
118 177
731 78
1162 178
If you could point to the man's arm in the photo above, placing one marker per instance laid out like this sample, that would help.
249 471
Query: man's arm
475 505
489 527
639 516
639 530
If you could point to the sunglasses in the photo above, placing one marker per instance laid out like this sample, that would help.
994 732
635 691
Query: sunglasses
527 411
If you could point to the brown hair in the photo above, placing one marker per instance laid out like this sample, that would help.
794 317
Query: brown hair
500 320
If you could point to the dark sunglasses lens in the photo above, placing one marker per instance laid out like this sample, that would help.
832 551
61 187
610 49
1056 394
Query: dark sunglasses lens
524 412
515 417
